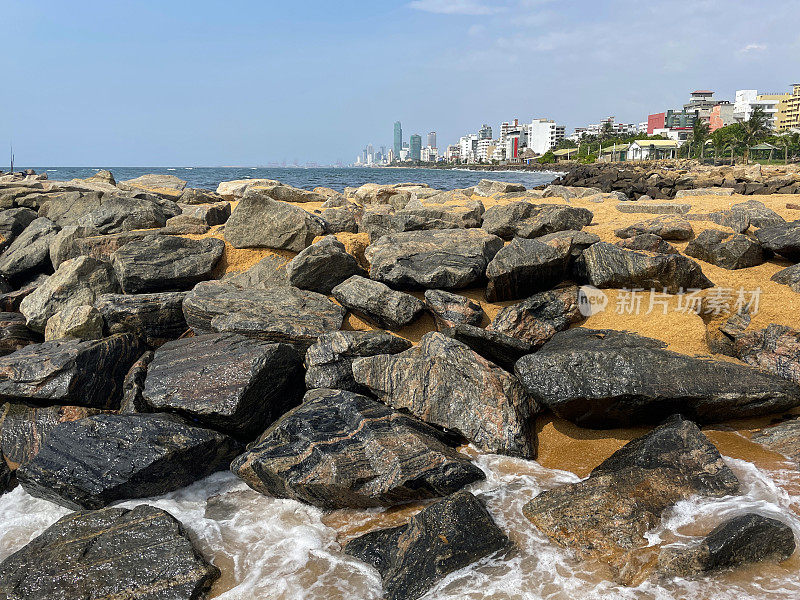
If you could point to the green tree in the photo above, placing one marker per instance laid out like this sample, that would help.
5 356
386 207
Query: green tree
752 131
700 133
787 141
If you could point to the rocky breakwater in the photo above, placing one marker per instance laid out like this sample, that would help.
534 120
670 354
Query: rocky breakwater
670 179
139 362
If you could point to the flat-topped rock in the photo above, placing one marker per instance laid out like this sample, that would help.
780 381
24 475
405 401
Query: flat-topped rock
261 222
162 263
444 382
261 381
124 213
648 242
153 318
487 187
378 303
667 227
280 314
340 449
651 207
712 191
138 553
528 220
725 249
441 259
93 462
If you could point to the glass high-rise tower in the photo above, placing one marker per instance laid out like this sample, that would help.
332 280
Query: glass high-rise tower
415 149
398 139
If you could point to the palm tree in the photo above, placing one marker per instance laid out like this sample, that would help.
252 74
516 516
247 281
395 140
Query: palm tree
700 132
752 131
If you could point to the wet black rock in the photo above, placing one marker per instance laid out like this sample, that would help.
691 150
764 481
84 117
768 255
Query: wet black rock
781 239
378 303
322 266
133 385
605 265
743 540
154 318
163 263
280 314
72 372
725 249
525 267
329 361
441 259
143 553
444 382
249 382
101 459
503 350
339 449
444 537
604 378
538 318
450 309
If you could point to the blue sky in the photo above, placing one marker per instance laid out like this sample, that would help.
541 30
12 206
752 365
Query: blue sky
176 82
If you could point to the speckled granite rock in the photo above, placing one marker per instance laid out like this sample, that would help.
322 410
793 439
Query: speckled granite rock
76 323
154 318
725 249
540 317
775 349
667 227
322 266
525 267
138 554
449 309
378 303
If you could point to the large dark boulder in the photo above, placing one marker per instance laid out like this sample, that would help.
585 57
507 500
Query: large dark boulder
525 267
249 382
442 259
649 242
775 349
339 449
781 239
24 428
13 221
503 350
667 227
757 214
102 459
322 266
125 213
261 222
450 309
29 254
67 208
280 314
142 553
378 302
538 318
154 318
725 249
77 282
444 382
527 220
604 378
444 537
607 516
72 372
605 265
789 276
329 361
163 263
743 540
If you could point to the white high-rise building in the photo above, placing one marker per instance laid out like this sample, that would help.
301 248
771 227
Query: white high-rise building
544 135
484 149
429 154
747 100
467 145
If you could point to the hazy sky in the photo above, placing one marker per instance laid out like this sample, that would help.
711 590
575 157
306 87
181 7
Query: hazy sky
89 83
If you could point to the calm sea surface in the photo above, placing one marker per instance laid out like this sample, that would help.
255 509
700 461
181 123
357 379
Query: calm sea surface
338 179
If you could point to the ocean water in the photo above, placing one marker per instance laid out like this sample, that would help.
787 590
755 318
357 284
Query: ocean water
338 179
285 550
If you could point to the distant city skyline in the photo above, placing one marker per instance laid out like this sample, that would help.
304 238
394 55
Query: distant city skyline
184 83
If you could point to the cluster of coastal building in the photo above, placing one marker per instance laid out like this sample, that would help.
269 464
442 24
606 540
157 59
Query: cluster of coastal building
519 142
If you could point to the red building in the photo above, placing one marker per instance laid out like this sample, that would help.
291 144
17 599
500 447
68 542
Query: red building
656 121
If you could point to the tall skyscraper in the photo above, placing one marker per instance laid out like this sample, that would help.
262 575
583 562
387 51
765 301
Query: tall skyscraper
398 138
416 147
485 133
432 139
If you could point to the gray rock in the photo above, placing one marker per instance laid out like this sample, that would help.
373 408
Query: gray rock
577 241
13 221
775 349
538 318
782 239
569 192
322 266
133 386
329 361
269 272
107 554
668 227
527 220
169 185
77 282
29 253
184 225
715 191
377 302
726 250
648 242
93 462
281 314
261 222
84 242
199 196
210 214
605 265
503 350
450 309
789 276
124 213
441 259
658 208
444 382
283 193
380 457
487 187
160 263
524 267
758 215
570 375
340 219
153 318
68 208
62 244
77 322
444 537
261 382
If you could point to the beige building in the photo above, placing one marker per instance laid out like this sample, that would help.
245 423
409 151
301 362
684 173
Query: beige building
787 108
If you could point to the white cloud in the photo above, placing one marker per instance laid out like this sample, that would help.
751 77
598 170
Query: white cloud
454 7
753 48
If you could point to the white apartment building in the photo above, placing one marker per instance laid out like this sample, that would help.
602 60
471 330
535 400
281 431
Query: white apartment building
616 128
467 146
429 154
544 135
453 152
747 100
485 148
